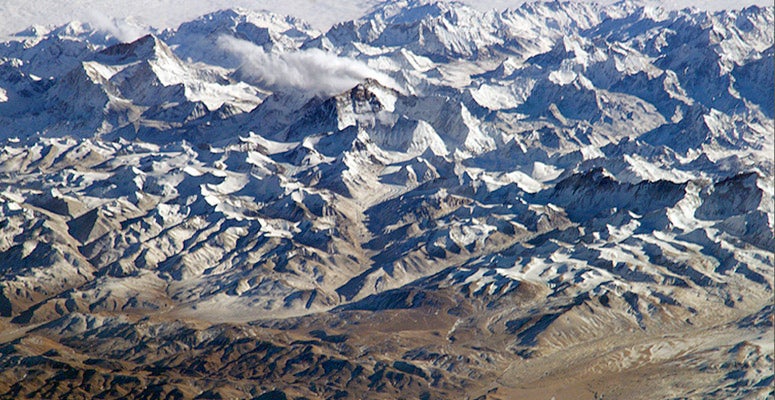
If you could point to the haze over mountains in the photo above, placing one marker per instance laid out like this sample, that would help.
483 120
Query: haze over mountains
126 19
431 201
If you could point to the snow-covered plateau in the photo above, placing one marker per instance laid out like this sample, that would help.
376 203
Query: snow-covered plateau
560 200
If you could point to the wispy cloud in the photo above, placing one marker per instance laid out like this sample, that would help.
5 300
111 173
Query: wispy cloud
312 70
120 29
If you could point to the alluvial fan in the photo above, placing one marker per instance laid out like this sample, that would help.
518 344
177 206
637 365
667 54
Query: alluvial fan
558 200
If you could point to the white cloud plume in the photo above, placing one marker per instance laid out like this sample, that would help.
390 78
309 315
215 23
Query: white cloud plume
312 70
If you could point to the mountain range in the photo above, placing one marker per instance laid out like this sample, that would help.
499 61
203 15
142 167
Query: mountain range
561 200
